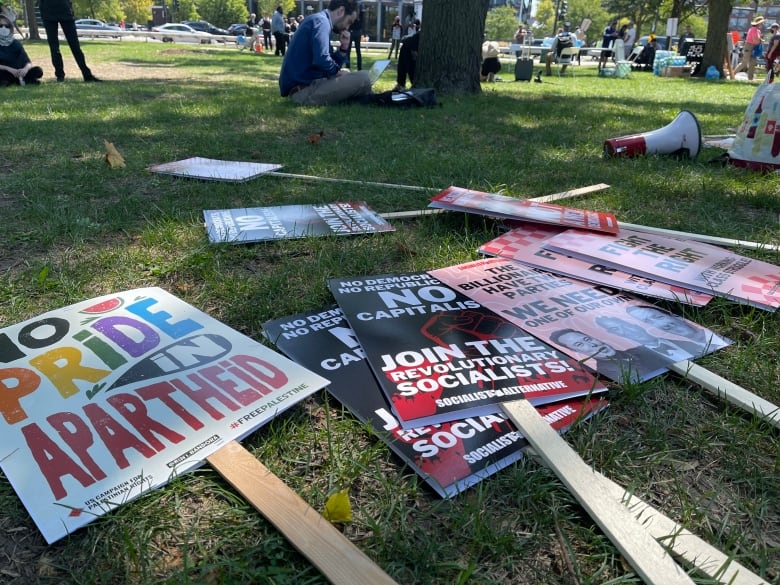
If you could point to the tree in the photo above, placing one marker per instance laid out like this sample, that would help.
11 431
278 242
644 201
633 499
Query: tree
501 24
108 10
268 7
642 13
545 16
32 24
137 10
223 12
716 47
451 46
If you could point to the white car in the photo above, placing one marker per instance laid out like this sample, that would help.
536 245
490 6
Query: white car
180 32
97 28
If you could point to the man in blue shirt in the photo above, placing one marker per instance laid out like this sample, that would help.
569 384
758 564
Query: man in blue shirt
311 71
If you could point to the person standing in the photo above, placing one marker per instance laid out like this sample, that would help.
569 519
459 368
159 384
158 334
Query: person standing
59 13
407 61
356 33
396 32
630 38
607 40
278 30
15 66
685 40
265 25
752 40
773 46
312 71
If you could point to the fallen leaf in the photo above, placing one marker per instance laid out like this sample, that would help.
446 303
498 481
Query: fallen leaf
113 158
338 508
315 138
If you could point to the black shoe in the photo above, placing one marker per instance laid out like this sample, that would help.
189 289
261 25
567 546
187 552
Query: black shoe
60 79
91 79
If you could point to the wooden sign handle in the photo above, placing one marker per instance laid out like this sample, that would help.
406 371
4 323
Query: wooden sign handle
340 561
733 393
648 558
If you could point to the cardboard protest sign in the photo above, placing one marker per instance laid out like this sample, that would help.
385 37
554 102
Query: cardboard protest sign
685 263
451 456
613 333
109 398
495 205
524 244
440 356
211 169
257 224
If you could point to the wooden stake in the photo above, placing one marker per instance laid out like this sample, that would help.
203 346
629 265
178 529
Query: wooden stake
340 561
729 243
349 181
648 558
722 388
683 543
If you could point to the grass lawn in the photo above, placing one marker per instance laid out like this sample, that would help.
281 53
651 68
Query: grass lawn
73 229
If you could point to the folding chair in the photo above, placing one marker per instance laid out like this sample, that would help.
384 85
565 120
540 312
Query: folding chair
635 52
568 57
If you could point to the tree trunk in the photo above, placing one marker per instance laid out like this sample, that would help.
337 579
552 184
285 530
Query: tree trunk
450 52
715 51
30 21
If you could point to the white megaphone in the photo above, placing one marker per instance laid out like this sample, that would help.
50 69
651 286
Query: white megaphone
681 137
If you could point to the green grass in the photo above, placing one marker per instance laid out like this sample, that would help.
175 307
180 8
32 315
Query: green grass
74 229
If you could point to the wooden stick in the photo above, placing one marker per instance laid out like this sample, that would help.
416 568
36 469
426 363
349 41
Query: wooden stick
683 543
729 243
349 181
648 558
571 193
733 393
340 561
542 199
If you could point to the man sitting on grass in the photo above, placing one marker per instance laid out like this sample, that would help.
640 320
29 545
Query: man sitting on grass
15 65
311 71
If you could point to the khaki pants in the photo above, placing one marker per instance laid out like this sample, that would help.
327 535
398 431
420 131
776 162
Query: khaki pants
748 61
332 90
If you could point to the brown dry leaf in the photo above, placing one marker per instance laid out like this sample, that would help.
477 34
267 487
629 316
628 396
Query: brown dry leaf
315 138
113 158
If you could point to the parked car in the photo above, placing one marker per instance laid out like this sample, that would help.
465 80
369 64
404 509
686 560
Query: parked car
206 27
97 27
169 32
237 30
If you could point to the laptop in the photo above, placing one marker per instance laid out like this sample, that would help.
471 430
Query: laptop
377 69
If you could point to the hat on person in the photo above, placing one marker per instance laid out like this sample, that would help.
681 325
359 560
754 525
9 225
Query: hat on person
774 25
757 20
8 13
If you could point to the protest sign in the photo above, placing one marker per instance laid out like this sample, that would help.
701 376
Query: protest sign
524 244
694 265
112 397
450 456
211 169
440 356
292 221
495 205
613 333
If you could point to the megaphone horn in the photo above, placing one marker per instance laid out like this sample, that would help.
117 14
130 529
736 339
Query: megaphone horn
681 137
